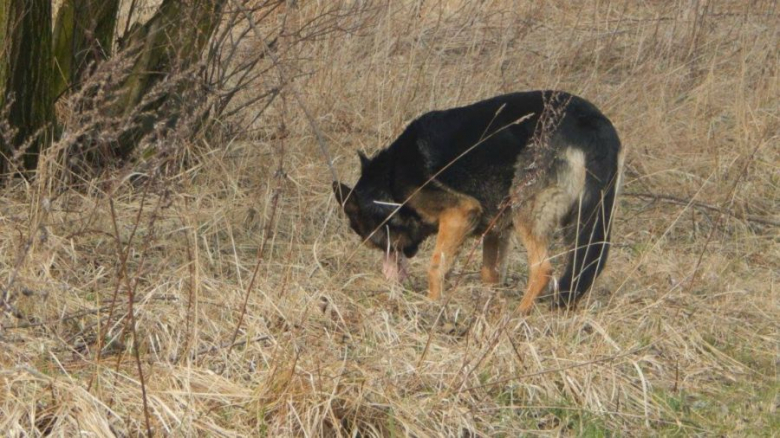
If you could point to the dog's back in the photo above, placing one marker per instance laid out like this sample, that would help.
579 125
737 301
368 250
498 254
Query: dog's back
481 147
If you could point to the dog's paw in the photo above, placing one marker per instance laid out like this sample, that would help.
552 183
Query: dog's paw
565 300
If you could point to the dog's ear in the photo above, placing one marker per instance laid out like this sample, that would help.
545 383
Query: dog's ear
344 195
364 160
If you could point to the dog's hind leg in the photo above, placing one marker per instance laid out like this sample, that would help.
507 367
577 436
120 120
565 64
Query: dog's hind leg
495 246
539 265
542 212
455 223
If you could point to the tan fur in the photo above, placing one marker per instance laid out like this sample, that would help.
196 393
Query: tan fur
431 204
541 215
550 204
539 266
456 216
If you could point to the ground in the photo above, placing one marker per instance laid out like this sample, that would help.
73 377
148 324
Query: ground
256 310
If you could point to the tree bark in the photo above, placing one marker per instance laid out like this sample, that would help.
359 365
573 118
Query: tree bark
171 41
26 73
33 71
4 25
83 35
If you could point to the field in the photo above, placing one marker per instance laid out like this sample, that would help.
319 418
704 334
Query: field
230 298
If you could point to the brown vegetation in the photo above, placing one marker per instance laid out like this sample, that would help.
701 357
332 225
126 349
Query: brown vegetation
211 287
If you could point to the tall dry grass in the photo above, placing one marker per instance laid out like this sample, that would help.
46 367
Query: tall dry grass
257 312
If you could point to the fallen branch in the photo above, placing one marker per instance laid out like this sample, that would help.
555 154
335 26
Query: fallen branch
687 202
81 313
230 345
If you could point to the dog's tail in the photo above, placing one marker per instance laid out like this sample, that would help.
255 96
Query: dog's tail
589 223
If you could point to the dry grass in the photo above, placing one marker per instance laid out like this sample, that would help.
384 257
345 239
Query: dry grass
680 336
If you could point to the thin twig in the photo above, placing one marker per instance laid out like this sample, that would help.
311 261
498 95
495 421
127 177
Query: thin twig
207 350
266 235
720 216
689 202
124 277
557 369
282 75
81 313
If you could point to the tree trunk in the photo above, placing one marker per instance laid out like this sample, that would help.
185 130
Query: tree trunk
83 35
171 41
26 73
31 77
4 26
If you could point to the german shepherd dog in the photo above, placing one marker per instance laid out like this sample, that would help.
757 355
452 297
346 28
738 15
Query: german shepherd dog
537 161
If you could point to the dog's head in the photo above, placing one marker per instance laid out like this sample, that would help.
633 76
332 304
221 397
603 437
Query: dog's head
381 224
375 216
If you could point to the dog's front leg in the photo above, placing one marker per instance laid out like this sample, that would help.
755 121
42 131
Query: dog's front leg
539 266
454 225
